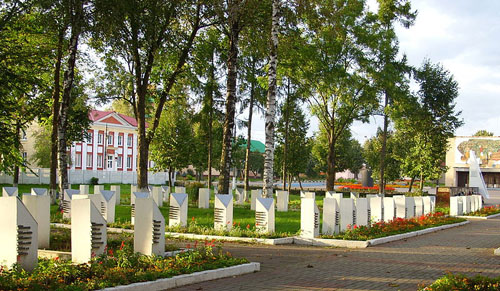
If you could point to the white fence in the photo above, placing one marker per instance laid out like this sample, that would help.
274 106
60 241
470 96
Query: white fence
42 176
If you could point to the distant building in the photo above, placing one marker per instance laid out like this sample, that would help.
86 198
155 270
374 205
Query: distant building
487 150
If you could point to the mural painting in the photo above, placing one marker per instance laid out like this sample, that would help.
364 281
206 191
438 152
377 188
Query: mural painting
487 151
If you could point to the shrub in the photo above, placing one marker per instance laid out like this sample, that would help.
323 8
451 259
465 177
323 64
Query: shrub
461 282
192 190
94 181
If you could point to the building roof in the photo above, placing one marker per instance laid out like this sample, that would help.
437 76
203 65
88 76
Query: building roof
256 146
98 115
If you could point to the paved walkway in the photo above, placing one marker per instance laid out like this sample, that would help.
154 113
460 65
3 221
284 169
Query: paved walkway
401 265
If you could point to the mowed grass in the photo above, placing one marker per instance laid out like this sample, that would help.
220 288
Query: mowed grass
286 222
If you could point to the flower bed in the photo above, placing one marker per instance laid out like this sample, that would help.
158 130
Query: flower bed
396 226
119 268
359 188
486 211
463 283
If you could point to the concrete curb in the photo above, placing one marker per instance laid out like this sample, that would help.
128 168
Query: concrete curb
266 241
383 240
324 242
187 279
480 217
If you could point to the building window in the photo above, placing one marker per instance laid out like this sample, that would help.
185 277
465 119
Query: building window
23 135
99 161
129 162
110 162
100 137
119 162
89 160
120 140
110 139
129 140
89 137
78 160
25 158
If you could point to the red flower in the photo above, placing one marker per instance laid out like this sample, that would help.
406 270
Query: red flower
122 245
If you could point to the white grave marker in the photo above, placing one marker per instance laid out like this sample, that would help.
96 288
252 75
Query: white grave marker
179 189
376 209
156 194
309 218
19 243
264 215
165 190
426 200
479 202
107 205
354 195
177 215
84 189
410 207
363 213
39 191
456 206
466 200
66 201
149 229
419 206
133 188
223 212
204 198
389 209
88 231
253 196
39 207
97 189
401 207
134 196
331 216
347 214
283 198
117 190
240 196
9 191
472 203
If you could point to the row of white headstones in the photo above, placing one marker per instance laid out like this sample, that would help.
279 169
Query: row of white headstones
462 205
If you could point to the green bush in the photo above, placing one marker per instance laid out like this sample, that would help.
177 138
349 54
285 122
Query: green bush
463 283
94 181
192 190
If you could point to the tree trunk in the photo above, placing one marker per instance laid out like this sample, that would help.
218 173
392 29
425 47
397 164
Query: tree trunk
300 183
56 95
381 188
170 179
232 74
249 137
69 76
287 124
15 181
289 183
330 177
210 121
143 151
411 184
271 104
421 181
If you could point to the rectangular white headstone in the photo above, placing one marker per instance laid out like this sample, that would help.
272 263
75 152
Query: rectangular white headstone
466 201
308 195
363 213
9 191
88 231
84 189
117 190
264 215
456 206
179 189
473 203
39 207
19 243
156 194
97 189
389 209
223 212
433 202
107 205
253 196
166 193
204 198
347 214
401 207
331 216
479 202
283 198
410 207
376 209
309 218
427 204
177 215
133 188
149 229
66 202
134 196
240 196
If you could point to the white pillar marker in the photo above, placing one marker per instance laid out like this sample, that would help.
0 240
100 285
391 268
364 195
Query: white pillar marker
363 212
134 196
179 189
39 207
240 196
376 209
309 218
204 198
107 207
433 202
133 188
223 212
479 202
177 215
466 202
97 189
253 196
410 207
456 206
419 206
354 195
149 229
66 202
264 215
282 198
472 203
165 190
331 216
9 191
88 231
19 243
156 194
117 190
426 200
401 209
39 191
84 189
347 213
389 209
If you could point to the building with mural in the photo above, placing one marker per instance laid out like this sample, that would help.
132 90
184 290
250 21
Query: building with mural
487 150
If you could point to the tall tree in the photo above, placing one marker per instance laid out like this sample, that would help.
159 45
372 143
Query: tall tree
371 153
271 104
148 43
483 132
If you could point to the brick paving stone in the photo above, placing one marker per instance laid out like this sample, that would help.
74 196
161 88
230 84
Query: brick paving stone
401 265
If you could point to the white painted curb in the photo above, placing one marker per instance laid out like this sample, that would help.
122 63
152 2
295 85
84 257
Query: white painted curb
323 242
267 241
187 279
383 240
480 217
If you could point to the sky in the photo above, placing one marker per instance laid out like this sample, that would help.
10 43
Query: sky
462 35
